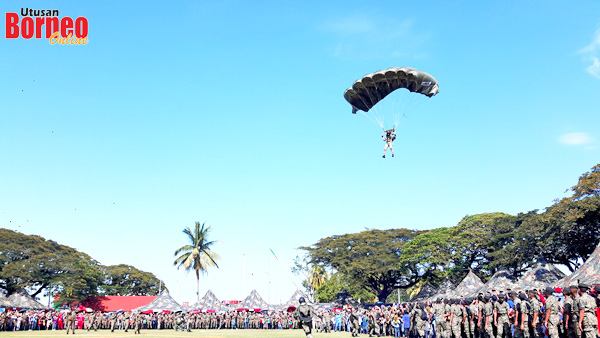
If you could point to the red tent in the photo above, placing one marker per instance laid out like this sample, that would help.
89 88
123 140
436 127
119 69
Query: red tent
114 303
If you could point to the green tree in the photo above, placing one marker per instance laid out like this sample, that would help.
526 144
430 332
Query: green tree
125 280
197 255
369 259
44 265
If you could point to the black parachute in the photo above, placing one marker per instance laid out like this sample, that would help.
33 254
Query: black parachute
367 91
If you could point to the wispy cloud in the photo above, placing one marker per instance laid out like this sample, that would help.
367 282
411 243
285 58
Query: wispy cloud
366 36
591 52
576 139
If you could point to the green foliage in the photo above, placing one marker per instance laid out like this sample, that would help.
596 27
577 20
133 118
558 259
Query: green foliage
370 258
127 280
197 254
29 261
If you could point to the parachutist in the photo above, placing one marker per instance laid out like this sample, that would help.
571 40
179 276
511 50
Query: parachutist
389 136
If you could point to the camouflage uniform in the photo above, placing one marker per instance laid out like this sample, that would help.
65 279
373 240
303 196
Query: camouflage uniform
456 319
488 312
535 309
523 310
502 309
71 321
552 304
587 305
472 320
304 314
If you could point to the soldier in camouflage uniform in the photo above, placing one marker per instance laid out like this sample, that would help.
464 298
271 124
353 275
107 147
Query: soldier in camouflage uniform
501 310
71 315
455 318
588 322
304 314
480 316
522 312
473 318
571 313
354 322
488 315
535 314
552 308
438 311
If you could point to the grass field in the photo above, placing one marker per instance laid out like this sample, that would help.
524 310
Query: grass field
173 333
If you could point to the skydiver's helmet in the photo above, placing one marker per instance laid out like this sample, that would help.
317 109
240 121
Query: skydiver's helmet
301 300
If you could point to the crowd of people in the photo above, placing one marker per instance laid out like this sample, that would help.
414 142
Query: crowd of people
571 312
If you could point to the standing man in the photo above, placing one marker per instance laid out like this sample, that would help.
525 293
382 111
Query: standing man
488 313
551 320
535 313
588 322
304 314
501 310
71 320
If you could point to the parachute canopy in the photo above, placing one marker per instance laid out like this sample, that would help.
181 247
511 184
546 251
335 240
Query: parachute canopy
372 88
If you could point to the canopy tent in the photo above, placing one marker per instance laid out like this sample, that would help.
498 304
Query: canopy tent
502 280
294 300
588 273
541 275
425 292
164 301
444 289
208 302
343 298
23 300
253 301
469 285
4 302
114 303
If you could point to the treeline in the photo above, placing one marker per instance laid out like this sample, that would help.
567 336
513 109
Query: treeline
32 262
373 264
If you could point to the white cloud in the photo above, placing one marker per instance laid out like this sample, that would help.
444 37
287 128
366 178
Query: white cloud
591 52
594 68
592 47
575 139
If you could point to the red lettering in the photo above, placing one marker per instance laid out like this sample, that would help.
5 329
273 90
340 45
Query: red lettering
39 22
66 25
51 26
12 25
81 27
27 27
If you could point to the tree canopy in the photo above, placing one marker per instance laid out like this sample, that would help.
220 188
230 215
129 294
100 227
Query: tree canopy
32 262
377 261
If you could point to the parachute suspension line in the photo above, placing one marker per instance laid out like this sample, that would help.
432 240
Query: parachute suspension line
374 117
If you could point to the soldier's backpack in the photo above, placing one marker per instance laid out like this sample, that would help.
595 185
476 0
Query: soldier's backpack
423 315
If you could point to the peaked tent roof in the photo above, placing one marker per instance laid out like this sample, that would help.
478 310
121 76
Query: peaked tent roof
343 298
23 300
253 301
4 302
293 301
588 273
208 302
541 275
444 289
469 285
114 303
502 280
164 301
426 291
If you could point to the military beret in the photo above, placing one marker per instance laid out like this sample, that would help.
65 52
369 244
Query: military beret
549 290
522 296
573 287
583 286
566 291
532 292
513 293
488 297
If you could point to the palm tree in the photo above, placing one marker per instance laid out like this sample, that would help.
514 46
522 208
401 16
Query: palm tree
197 255
317 277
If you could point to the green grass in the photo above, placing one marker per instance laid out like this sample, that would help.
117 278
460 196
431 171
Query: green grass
173 333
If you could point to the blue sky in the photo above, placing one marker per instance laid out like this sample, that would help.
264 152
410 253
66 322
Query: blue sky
232 113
